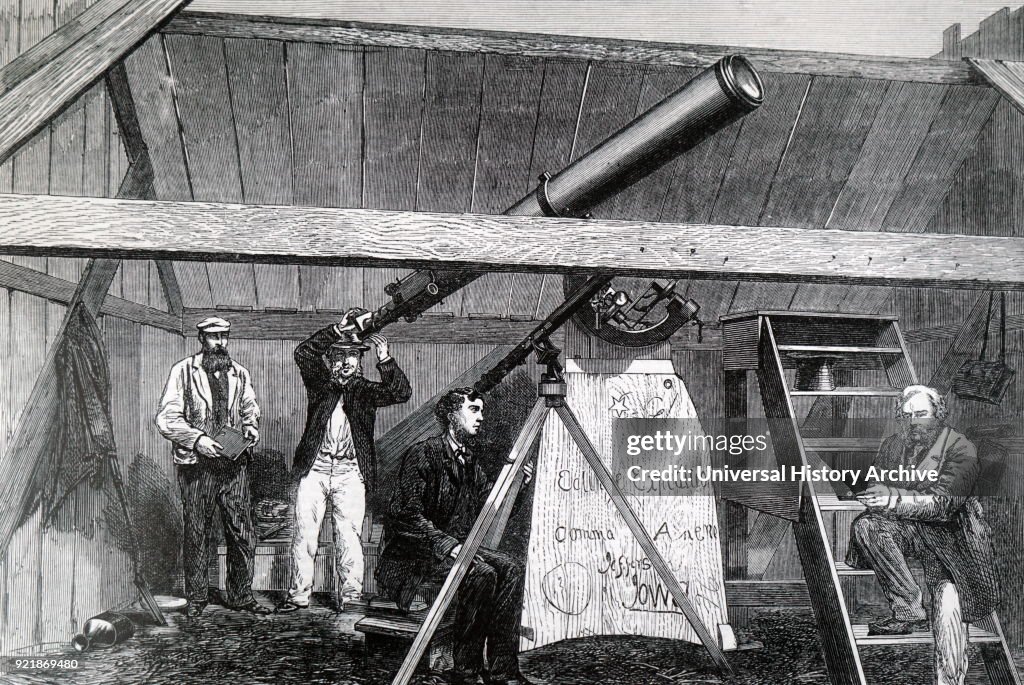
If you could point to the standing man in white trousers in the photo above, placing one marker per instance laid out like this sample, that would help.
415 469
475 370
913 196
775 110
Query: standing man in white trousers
335 459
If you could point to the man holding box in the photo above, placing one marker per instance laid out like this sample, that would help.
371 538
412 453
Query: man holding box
205 394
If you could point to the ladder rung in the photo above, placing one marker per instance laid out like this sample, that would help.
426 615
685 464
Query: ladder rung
844 569
831 502
842 349
842 444
856 391
860 634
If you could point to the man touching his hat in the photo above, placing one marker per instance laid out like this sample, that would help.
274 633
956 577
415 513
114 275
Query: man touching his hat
335 459
205 393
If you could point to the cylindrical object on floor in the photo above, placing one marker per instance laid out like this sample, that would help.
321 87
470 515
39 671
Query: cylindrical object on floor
104 630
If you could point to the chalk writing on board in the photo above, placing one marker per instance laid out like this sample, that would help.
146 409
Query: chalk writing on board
651 596
563 534
619 566
566 587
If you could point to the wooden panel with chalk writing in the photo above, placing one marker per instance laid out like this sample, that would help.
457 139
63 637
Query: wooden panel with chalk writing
586 575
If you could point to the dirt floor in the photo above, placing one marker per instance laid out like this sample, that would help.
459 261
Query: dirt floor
318 646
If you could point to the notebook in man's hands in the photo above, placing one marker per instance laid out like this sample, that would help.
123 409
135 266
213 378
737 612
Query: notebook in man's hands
233 443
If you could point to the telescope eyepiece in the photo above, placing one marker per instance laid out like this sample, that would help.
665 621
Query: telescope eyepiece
740 81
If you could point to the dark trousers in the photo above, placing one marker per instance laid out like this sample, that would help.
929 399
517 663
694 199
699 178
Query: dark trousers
885 542
488 610
208 485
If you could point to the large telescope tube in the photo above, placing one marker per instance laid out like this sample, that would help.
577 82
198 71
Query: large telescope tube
708 103
712 100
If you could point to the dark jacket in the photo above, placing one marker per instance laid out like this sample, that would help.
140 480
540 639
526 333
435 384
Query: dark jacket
948 519
362 397
435 503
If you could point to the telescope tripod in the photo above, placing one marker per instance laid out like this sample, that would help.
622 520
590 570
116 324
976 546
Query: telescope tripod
551 396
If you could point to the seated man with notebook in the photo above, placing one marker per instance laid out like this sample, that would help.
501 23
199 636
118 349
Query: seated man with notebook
938 521
209 413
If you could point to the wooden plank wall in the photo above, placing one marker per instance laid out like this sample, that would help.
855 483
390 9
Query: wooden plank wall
53 580
987 195
986 198
407 128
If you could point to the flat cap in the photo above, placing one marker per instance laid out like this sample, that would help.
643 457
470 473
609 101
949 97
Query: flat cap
213 324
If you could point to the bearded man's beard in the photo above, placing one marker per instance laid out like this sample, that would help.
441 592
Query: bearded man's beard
338 378
915 435
216 360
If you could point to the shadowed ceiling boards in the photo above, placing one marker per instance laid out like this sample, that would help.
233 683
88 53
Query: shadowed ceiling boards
363 125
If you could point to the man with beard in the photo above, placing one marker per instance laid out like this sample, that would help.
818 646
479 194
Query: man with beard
335 459
205 393
940 522
439 493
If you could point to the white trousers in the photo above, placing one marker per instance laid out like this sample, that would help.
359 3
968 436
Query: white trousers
340 482
950 635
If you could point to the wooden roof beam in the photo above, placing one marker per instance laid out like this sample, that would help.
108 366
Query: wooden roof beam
67 226
42 81
302 30
26 280
1005 76
138 182
280 324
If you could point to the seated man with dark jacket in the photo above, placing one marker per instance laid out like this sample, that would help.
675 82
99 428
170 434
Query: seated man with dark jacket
438 495
938 521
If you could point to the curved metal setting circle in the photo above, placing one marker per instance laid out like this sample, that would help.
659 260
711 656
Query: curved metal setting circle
633 319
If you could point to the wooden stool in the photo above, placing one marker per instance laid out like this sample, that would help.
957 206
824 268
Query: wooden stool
388 632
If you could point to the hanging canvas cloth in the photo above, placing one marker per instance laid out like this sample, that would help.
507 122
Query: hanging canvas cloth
586 574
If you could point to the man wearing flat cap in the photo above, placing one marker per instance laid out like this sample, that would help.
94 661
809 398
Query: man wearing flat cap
335 459
206 393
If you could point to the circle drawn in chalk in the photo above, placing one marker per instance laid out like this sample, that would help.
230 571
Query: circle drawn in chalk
668 383
566 587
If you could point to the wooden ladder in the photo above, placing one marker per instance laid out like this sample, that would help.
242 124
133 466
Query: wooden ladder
871 349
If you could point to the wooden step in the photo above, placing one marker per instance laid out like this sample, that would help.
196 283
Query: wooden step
831 502
851 391
393 626
860 634
377 606
844 569
840 349
404 627
842 444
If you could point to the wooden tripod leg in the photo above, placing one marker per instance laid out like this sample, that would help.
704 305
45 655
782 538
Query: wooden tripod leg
636 526
140 580
516 460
